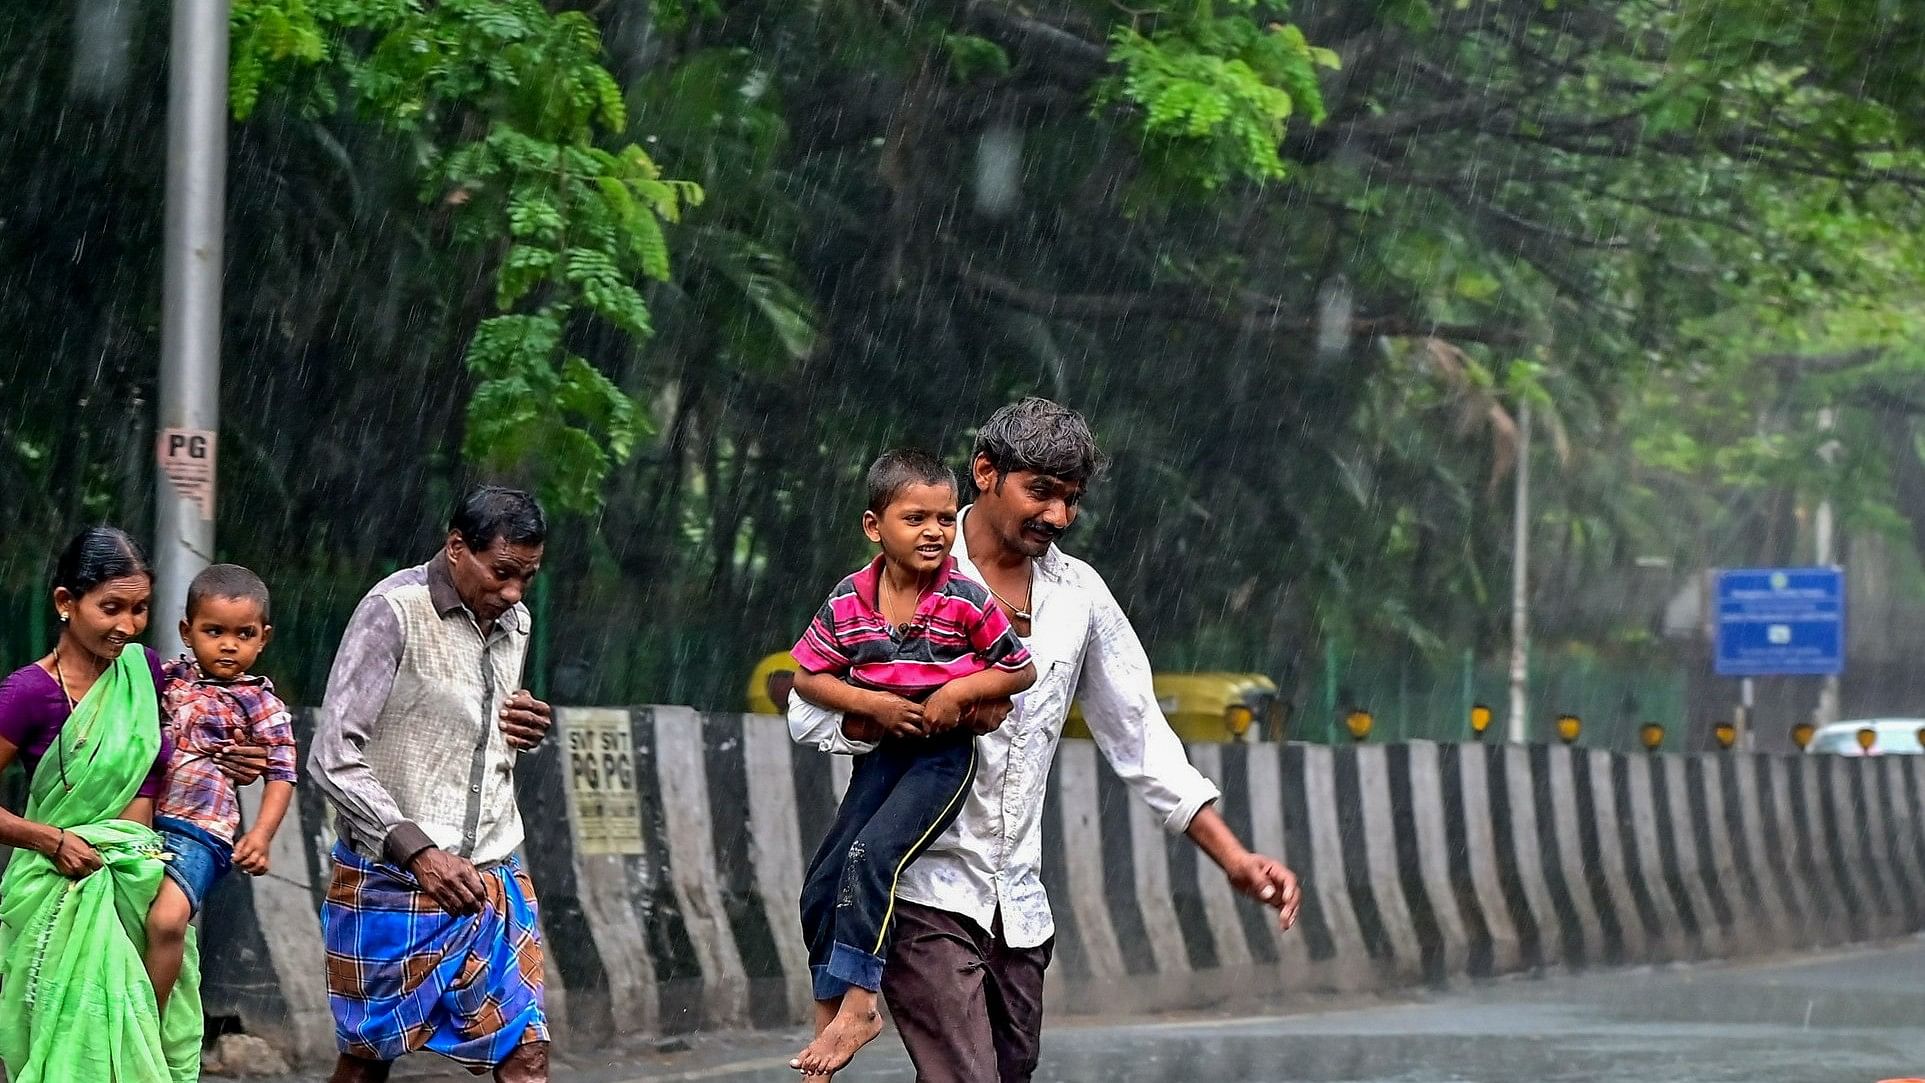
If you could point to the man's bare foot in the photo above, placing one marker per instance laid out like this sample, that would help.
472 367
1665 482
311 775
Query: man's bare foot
833 1049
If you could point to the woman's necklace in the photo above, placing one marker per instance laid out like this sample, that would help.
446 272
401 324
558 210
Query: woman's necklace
72 703
73 707
1020 612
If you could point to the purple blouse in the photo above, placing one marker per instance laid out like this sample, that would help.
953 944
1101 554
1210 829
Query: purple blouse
33 708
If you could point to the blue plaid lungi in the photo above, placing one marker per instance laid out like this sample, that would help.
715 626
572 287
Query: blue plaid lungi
405 975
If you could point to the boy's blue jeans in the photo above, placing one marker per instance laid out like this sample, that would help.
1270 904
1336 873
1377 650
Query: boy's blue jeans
199 859
901 797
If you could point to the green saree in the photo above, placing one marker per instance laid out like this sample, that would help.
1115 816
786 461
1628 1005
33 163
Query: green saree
75 1002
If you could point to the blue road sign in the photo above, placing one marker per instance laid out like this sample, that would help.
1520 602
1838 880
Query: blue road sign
1779 622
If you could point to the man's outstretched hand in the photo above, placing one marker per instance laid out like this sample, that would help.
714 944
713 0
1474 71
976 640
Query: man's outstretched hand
1269 882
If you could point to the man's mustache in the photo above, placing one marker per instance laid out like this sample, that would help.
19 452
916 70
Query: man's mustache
1045 529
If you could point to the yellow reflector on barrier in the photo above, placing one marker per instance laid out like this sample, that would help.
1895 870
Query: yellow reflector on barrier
1480 719
1803 732
1568 727
1359 724
1238 718
1652 735
1725 733
1867 738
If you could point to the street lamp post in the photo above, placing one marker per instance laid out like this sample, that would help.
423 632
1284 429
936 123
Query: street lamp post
191 312
1519 725
1825 542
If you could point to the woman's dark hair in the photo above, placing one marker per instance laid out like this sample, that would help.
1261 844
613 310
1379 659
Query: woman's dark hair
97 555
493 512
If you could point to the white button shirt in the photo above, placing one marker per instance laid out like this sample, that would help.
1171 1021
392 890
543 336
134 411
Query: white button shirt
991 858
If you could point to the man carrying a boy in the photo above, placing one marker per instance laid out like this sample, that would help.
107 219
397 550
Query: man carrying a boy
964 981
430 923
910 639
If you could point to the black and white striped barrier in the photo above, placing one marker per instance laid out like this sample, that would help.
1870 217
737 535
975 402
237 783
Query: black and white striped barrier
668 849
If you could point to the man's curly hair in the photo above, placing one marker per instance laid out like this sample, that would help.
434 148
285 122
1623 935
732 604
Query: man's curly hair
1042 437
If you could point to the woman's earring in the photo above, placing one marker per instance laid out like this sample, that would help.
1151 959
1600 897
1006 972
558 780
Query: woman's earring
63 618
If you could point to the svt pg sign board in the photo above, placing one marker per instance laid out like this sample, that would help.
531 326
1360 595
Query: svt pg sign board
1781 622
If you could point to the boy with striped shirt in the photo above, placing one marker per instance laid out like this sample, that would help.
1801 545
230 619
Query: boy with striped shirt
912 643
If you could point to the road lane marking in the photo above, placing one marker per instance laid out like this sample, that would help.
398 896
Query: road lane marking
717 1071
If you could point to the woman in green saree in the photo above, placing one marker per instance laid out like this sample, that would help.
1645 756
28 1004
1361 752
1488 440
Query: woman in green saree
75 1002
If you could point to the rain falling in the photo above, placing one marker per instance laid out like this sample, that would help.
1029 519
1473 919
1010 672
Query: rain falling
1504 442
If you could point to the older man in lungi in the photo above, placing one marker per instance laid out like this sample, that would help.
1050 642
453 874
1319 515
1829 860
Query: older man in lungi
430 923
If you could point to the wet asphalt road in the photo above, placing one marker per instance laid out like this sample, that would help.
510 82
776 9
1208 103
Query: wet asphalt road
1854 1018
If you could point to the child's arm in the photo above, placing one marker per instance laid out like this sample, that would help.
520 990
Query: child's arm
252 849
892 712
993 683
821 660
1009 669
946 706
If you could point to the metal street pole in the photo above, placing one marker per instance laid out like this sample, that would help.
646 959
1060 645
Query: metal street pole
1747 709
191 312
1520 583
1825 536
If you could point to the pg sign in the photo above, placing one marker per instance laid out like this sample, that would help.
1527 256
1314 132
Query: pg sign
186 459
603 805
1781 622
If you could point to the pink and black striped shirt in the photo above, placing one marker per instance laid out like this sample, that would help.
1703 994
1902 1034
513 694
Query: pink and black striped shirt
957 631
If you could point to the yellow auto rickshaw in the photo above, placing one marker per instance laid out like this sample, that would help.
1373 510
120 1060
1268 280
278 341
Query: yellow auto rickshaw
1201 707
770 684
1211 707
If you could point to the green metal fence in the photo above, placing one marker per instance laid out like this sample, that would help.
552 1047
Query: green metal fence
1408 697
1416 698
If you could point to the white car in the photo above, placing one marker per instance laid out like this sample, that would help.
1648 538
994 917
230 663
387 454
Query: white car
1896 737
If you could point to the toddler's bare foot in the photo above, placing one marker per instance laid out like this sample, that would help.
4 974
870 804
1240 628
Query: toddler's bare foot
836 1046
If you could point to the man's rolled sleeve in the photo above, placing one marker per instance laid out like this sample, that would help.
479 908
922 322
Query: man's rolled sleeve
821 727
1119 702
358 688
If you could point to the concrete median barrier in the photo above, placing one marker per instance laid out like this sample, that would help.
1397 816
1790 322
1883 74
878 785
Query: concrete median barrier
668 848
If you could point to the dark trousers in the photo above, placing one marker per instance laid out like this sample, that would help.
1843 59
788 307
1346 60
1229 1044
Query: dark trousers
968 1006
901 797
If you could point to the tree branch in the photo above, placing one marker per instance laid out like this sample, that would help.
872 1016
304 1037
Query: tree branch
1191 307
1061 52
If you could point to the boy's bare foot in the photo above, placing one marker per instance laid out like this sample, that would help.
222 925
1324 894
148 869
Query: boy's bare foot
825 1013
833 1049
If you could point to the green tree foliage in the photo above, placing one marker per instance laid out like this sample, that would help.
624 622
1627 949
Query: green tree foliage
1299 263
505 104
1214 92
